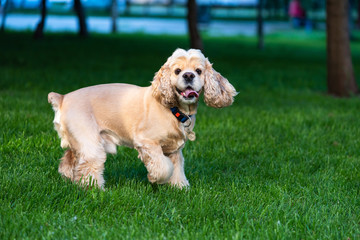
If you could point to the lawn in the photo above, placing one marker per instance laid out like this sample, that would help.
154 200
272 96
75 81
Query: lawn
283 162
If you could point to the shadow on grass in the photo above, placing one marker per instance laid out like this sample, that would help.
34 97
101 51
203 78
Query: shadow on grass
123 167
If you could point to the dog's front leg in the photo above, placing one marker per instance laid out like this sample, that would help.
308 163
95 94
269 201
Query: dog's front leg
178 177
159 167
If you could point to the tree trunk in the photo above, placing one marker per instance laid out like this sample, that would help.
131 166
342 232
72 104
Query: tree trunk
358 15
260 25
340 73
195 38
4 13
127 7
22 5
114 15
81 16
39 31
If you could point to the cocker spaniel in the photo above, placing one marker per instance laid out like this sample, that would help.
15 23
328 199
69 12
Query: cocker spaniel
156 120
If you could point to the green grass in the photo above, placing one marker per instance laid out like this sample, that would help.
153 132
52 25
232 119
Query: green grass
281 163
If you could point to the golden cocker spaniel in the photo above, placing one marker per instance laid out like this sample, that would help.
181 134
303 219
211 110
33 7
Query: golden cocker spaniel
156 120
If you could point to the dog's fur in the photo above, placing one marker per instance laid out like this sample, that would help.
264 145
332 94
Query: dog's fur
93 120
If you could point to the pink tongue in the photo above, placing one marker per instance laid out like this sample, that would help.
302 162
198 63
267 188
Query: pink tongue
190 93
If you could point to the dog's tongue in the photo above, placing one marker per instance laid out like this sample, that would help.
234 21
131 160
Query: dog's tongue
190 93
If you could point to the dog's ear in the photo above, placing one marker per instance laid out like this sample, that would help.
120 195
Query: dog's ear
218 92
161 84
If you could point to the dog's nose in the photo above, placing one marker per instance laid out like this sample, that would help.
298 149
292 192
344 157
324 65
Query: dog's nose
188 76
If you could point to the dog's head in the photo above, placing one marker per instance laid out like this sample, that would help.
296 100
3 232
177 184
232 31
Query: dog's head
185 75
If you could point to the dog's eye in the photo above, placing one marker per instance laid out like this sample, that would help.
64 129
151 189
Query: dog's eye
177 71
198 71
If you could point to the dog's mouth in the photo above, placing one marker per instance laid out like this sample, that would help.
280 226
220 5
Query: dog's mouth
188 93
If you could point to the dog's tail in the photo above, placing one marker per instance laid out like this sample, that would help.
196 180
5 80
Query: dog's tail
55 99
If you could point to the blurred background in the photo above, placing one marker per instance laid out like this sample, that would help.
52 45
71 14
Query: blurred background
336 21
216 17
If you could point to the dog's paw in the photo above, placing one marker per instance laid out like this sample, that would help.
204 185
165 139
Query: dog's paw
151 178
184 184
160 171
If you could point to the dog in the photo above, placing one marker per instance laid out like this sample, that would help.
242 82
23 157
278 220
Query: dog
156 120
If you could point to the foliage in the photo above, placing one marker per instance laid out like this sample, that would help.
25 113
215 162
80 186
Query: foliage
281 163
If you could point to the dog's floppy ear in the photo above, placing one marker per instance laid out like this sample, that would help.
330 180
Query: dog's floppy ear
218 92
161 84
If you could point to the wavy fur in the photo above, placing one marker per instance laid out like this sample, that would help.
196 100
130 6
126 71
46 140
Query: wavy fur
162 88
218 92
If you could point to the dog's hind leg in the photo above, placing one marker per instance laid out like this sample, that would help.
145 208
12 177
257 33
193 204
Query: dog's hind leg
87 146
91 157
89 170
67 164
